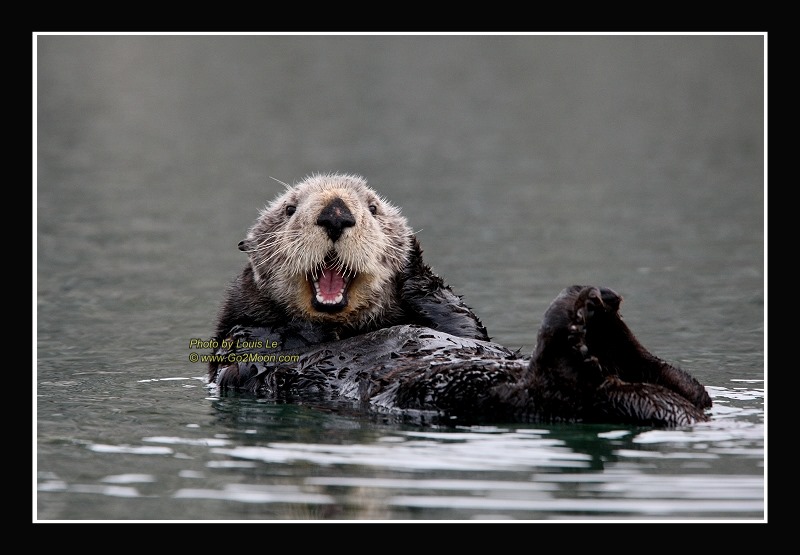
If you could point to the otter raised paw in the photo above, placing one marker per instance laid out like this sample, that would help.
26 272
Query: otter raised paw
589 366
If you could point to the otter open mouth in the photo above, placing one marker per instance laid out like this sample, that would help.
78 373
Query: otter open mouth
329 288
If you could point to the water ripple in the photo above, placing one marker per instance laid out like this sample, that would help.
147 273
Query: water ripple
467 451
255 494
658 507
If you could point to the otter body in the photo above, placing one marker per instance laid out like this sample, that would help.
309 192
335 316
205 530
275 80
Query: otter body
336 302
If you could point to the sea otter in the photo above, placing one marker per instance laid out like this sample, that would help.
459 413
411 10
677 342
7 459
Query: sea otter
336 302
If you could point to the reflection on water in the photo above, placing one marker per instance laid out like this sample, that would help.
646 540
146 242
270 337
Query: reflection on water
255 467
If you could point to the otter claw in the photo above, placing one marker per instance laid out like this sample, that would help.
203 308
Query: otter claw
611 299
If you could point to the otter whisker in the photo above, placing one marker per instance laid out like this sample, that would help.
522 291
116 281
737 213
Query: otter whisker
281 182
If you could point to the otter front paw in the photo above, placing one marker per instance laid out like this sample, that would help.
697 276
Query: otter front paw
590 303
586 305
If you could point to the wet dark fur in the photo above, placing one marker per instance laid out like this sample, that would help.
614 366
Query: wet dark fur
441 378
429 357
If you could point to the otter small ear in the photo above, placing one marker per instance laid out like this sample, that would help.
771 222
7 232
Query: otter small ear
244 245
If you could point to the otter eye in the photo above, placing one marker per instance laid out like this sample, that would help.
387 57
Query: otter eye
290 210
373 209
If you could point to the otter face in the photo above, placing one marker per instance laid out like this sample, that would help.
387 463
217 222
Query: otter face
328 249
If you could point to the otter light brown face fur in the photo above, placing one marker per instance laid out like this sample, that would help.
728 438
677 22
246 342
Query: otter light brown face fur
329 250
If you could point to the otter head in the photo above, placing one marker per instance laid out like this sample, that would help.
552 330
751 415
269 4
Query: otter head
328 249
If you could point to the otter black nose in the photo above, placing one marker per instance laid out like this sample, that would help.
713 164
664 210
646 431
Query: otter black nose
335 217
